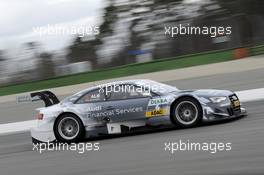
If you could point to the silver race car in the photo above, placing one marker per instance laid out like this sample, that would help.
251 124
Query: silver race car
122 106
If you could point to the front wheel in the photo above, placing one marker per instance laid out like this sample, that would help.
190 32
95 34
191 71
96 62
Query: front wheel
186 112
69 128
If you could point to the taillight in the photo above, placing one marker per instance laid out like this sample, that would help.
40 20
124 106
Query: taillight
40 116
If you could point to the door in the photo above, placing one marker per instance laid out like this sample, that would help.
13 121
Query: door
91 106
127 104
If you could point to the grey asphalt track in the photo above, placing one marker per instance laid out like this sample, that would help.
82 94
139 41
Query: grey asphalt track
232 81
145 154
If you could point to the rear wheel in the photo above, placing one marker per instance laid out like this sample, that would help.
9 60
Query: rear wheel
69 128
186 112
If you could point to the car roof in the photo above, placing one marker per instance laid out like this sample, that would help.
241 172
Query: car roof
133 81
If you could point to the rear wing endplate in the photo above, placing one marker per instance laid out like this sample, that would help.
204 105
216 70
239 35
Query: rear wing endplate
46 96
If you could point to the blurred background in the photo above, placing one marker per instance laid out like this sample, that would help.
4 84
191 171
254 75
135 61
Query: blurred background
120 32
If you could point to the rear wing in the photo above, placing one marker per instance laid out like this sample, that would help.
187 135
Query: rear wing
46 96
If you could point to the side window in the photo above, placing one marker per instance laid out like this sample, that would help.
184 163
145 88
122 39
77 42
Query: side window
126 91
92 96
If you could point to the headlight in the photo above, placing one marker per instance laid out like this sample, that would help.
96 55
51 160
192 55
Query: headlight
217 99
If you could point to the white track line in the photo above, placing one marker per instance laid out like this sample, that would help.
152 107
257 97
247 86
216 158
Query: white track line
244 96
9 128
251 95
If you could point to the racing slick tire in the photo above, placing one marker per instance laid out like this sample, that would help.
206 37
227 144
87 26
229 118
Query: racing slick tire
69 128
186 112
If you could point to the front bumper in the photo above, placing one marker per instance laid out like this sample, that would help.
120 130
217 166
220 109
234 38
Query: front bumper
211 115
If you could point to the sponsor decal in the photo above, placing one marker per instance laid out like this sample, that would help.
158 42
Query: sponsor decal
94 108
158 101
236 103
160 112
95 96
23 98
129 110
114 112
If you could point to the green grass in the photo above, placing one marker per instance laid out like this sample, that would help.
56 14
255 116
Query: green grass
132 69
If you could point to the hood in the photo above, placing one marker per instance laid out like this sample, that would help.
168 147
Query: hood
207 92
